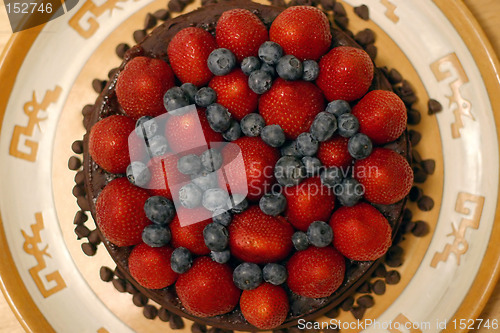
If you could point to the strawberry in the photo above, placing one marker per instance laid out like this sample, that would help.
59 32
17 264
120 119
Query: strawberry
292 105
265 307
234 93
141 85
303 31
345 73
361 232
381 115
188 53
207 289
334 152
184 132
120 212
308 202
190 236
315 272
108 143
260 238
240 31
150 266
164 171
386 176
255 174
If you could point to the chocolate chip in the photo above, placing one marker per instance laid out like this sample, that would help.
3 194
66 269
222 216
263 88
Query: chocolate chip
394 262
395 251
425 203
119 273
347 304
94 237
139 35
80 218
433 107
393 277
82 231
87 109
79 178
208 2
139 300
78 191
372 51
358 312
365 37
83 203
378 287
408 227
77 147
364 288
421 229
414 117
278 3
342 21
176 322
366 301
333 313
380 271
395 77
407 215
98 85
215 330
363 12
74 163
415 137
416 158
129 287
176 6
419 175
429 166
327 4
106 274
150 311
415 193
121 49
339 10
198 328
112 72
89 249
150 21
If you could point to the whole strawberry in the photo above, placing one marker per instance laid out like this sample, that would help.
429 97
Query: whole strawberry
165 176
381 115
190 236
240 31
188 53
303 31
234 93
308 202
120 212
386 176
108 143
260 238
315 272
345 73
334 152
361 232
141 85
265 307
207 289
292 105
150 266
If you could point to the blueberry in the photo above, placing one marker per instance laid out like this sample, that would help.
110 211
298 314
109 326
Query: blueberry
250 64
260 81
275 274
312 164
214 199
300 241
211 160
138 174
189 164
349 192
289 68
323 126
307 145
221 61
181 260
311 70
348 125
190 195
222 216
218 117
205 96
272 204
270 52
360 146
156 235
174 99
247 276
331 177
291 149
159 210
319 234
190 91
233 132
252 124
237 203
216 237
158 145
273 135
205 180
146 127
289 171
338 107
268 69
220 257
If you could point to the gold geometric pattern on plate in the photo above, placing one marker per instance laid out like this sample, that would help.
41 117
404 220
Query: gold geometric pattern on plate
390 10
404 325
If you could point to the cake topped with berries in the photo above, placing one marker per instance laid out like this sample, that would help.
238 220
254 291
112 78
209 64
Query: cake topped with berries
245 159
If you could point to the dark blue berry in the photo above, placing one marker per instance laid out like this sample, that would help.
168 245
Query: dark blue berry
233 132
216 237
312 164
138 174
311 70
218 117
349 192
348 125
181 260
252 124
189 164
205 96
268 69
338 107
190 91
323 126
146 127
272 204
221 61
260 81
289 171
237 203
331 177
205 180
157 145
250 64
273 135
220 257
300 241
190 195
274 273
159 210
319 234
360 146
270 52
156 235
290 149
211 160
222 216
214 199
289 68
307 145
174 99
247 276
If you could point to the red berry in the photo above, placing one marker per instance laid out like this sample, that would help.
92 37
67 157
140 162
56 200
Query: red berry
120 212
386 176
207 289
334 152
190 236
141 85
303 31
381 115
308 202
150 266
108 143
240 31
234 93
259 238
345 73
315 272
361 232
265 307
188 53
292 105
165 177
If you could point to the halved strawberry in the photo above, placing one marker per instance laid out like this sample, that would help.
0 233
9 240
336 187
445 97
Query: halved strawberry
334 152
150 266
190 236
265 307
